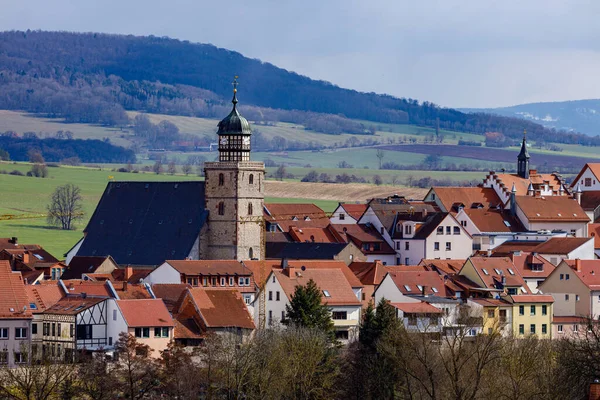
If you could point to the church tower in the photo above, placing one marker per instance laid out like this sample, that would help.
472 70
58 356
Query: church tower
523 160
234 193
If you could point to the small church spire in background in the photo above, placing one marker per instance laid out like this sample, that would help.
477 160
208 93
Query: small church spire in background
523 158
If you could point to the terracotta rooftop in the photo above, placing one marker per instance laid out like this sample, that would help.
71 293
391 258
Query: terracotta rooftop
127 291
14 303
510 247
170 293
43 296
417 308
551 208
443 267
491 270
529 265
222 308
590 200
331 281
468 196
589 272
521 184
494 220
302 215
209 267
372 273
354 210
72 305
571 319
491 302
593 167
533 298
317 235
362 234
560 245
145 313
8 243
413 282
95 289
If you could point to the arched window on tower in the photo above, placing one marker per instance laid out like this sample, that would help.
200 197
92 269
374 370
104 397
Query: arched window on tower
221 208
221 179
250 209
251 179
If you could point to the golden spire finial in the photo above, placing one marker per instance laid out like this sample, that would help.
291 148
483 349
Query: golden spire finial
234 83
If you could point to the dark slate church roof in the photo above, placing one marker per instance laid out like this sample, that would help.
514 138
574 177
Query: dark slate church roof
304 250
146 223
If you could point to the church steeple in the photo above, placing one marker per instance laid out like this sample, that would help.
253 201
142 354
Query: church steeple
234 134
523 159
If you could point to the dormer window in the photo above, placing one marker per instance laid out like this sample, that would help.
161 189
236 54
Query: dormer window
408 229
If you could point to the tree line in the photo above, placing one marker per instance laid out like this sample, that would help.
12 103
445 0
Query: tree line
90 77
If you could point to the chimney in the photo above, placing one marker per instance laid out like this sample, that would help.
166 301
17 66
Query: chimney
290 272
14 240
424 290
595 390
26 257
578 194
578 265
513 200
128 272
284 263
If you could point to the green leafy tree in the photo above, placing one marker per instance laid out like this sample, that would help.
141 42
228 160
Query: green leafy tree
306 309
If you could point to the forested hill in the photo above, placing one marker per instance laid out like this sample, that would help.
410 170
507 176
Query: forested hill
89 77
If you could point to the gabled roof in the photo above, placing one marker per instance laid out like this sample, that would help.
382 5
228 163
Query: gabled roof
209 267
360 234
512 246
127 291
14 303
315 235
468 196
170 293
521 184
43 296
491 270
588 271
94 289
302 265
417 283
593 167
221 308
330 281
524 263
551 209
369 273
443 267
9 243
354 210
301 215
417 308
560 245
388 214
145 313
145 223
298 251
485 302
494 220
72 305
80 265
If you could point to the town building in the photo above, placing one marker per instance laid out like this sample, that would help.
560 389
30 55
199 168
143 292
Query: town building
348 213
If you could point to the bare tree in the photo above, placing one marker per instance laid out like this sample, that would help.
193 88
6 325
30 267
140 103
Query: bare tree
65 206
96 378
171 168
138 371
380 154
157 168
186 168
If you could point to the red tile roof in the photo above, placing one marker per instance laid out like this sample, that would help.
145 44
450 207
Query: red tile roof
303 215
129 291
317 235
551 208
95 289
446 267
491 302
493 220
44 296
430 281
560 245
72 305
13 298
417 308
210 267
372 273
593 167
588 271
533 298
510 247
468 196
521 184
222 308
354 210
170 293
590 200
488 269
361 234
331 280
572 319
142 313
524 263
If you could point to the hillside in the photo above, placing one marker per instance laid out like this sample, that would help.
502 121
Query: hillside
94 78
578 115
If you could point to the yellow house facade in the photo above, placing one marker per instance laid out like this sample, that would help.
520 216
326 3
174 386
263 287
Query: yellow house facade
532 315
496 315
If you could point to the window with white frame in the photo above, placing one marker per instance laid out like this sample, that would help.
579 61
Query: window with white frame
3 333
20 333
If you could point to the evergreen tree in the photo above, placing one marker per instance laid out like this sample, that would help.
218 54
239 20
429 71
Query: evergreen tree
307 310
377 322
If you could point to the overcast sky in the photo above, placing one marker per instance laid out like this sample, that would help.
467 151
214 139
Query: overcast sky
458 53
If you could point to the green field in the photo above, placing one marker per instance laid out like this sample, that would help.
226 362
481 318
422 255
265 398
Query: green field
23 196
